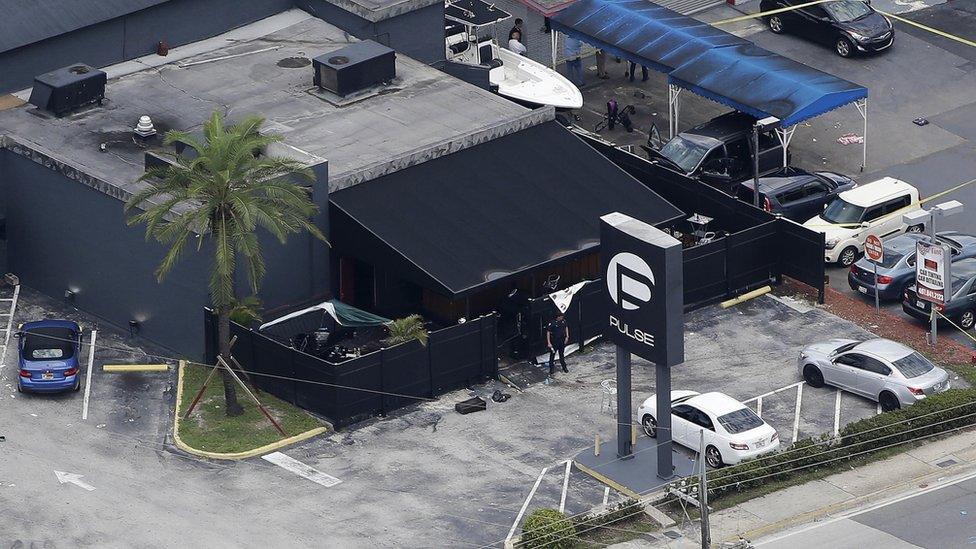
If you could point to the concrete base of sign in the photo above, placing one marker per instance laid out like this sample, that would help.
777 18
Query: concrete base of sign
635 476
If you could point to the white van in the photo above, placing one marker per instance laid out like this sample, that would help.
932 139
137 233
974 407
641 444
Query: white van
875 208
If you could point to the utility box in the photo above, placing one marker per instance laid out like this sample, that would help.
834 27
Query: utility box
354 67
67 89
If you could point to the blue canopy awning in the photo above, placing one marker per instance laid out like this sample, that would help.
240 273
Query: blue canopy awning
706 60
641 32
761 83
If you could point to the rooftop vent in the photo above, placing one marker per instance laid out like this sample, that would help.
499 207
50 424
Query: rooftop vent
355 67
69 88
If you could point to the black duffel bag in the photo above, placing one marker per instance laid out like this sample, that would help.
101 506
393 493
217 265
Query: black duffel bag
475 404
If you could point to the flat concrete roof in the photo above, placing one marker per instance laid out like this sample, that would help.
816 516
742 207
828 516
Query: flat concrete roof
381 10
423 114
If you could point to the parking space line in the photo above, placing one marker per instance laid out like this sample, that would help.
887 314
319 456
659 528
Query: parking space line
606 496
837 413
294 466
796 413
771 393
525 505
879 410
88 375
562 499
10 323
759 406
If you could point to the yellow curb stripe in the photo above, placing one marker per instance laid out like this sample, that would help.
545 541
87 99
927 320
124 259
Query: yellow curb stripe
605 480
135 367
746 297
235 455
930 29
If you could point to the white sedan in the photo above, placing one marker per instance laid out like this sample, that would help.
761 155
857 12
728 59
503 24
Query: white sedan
733 432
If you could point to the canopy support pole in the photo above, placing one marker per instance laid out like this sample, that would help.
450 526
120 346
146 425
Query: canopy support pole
862 108
673 109
785 135
555 41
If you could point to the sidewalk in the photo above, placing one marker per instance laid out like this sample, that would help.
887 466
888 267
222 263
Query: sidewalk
819 499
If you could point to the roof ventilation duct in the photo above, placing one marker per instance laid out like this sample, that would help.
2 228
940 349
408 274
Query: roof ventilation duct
67 89
355 67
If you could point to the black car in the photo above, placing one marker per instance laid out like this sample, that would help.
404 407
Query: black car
848 26
719 152
961 308
794 193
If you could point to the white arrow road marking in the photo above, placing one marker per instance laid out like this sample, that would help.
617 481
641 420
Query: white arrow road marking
73 478
300 469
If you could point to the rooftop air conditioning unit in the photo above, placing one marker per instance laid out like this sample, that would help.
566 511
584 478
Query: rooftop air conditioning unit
355 67
67 89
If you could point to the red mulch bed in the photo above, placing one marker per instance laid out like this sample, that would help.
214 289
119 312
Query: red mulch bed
897 327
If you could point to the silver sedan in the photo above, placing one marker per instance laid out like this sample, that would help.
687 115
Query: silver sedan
879 369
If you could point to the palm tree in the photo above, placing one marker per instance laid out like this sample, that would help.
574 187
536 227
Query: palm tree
407 329
222 196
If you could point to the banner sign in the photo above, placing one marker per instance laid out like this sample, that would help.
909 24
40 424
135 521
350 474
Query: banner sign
643 289
931 272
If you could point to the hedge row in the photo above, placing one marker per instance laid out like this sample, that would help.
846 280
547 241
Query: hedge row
936 414
550 529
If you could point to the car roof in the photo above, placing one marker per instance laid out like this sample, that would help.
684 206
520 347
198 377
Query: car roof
783 178
50 323
715 403
962 239
884 348
964 268
724 126
871 193
903 243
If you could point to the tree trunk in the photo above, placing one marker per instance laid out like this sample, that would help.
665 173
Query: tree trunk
231 406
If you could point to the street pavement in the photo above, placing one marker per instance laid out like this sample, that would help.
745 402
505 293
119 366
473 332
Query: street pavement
936 518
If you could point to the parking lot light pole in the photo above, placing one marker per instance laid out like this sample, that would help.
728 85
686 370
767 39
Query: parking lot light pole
927 217
766 124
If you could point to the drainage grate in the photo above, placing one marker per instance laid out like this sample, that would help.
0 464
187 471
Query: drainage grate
947 463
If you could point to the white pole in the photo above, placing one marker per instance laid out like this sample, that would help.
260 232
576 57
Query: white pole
555 41
864 144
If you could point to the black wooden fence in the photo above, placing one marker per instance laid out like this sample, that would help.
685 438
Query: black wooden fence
372 384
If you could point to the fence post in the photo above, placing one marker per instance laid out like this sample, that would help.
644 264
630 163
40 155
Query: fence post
383 382
579 319
430 366
725 266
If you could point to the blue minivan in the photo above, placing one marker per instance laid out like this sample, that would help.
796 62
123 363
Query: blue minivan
49 356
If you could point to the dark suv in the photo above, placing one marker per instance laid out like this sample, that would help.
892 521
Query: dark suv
719 152
794 193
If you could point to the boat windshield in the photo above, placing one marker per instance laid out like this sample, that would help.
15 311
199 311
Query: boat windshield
841 212
844 11
685 153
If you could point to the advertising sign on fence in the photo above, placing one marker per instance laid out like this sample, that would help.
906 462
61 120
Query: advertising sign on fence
643 289
931 272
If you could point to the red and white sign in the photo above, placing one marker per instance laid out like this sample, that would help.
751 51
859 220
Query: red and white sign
931 272
873 248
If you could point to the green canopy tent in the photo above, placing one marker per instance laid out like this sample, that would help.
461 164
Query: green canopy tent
321 316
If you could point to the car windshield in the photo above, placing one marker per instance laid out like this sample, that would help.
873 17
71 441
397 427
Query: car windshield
840 211
49 344
844 348
846 10
914 365
684 152
740 421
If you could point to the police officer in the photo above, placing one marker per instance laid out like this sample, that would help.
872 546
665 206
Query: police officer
557 336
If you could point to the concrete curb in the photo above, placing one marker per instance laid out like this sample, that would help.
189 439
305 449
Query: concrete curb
235 455
847 505
605 480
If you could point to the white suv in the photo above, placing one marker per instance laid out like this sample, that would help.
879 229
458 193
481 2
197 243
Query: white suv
875 208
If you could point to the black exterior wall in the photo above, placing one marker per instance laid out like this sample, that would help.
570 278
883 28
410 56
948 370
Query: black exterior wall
176 22
418 34
63 235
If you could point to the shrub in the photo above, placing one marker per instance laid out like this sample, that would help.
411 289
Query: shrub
548 529
936 414
407 329
614 513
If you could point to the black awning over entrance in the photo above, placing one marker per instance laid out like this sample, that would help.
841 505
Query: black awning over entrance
469 220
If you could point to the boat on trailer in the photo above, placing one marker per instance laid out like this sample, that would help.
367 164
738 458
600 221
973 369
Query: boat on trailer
469 40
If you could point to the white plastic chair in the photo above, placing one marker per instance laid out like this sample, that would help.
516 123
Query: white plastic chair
609 399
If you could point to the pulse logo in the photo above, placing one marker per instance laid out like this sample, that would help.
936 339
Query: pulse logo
630 282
